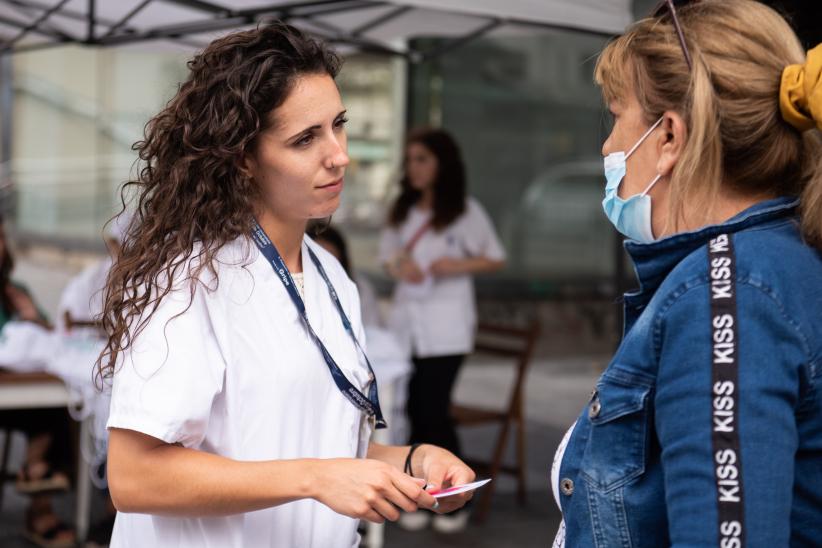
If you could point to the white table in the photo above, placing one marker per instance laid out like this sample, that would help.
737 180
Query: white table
41 390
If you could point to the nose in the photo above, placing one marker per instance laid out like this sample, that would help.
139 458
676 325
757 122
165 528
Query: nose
606 146
338 153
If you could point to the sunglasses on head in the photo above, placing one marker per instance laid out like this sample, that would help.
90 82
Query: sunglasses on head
669 6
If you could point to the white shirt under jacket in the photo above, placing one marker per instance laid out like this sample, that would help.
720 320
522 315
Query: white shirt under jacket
237 375
438 316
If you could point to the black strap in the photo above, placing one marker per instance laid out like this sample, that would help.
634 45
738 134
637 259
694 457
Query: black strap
407 467
725 393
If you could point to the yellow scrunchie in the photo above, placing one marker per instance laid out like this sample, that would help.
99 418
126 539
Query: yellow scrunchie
800 94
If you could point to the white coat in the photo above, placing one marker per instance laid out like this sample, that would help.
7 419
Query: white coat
438 316
237 375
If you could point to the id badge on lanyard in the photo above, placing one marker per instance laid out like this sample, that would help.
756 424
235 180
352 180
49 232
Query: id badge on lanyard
370 405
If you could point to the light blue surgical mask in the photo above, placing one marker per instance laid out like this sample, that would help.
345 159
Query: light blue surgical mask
632 216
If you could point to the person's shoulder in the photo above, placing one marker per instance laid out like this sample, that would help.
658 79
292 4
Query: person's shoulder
773 258
473 211
693 268
90 279
94 272
780 263
235 254
207 266
20 286
778 249
473 205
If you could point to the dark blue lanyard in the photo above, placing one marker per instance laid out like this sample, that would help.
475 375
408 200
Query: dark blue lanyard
369 405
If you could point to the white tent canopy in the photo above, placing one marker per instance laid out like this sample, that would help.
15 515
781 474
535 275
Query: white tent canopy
605 16
380 25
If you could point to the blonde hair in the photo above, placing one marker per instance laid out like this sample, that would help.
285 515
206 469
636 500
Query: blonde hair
729 101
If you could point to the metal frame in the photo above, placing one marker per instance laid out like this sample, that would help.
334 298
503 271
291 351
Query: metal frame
8 44
218 18
34 18
26 11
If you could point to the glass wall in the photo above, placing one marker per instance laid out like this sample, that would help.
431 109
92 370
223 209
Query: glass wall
373 91
77 111
520 101
529 119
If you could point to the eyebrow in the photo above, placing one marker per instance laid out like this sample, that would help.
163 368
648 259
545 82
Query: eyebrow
315 126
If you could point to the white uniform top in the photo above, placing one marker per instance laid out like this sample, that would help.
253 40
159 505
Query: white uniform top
237 375
438 317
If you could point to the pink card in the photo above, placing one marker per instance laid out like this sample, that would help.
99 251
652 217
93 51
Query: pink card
457 489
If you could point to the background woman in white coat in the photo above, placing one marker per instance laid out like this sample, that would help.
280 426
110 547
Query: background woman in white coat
436 239
242 403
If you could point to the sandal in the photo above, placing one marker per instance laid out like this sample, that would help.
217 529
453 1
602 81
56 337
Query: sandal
51 481
54 536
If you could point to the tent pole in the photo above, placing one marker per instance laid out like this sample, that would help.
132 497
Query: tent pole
92 20
33 25
6 98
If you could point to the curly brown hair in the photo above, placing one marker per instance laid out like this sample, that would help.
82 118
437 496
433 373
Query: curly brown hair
191 191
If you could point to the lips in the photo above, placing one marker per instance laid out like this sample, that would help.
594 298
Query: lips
333 185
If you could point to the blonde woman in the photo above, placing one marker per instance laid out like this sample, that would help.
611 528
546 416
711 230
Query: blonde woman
706 427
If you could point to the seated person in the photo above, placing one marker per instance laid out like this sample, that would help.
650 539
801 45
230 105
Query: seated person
82 298
47 430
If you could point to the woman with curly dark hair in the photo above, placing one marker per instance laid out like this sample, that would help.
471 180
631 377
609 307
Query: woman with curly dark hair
242 401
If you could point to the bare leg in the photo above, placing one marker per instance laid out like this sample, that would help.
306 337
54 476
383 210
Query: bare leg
36 451
42 522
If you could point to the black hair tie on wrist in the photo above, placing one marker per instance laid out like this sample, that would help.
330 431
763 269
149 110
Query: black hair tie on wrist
407 468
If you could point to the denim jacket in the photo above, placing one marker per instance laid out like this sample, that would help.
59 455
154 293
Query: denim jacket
706 427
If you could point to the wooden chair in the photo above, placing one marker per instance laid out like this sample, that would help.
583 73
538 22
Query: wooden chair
518 344
72 323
